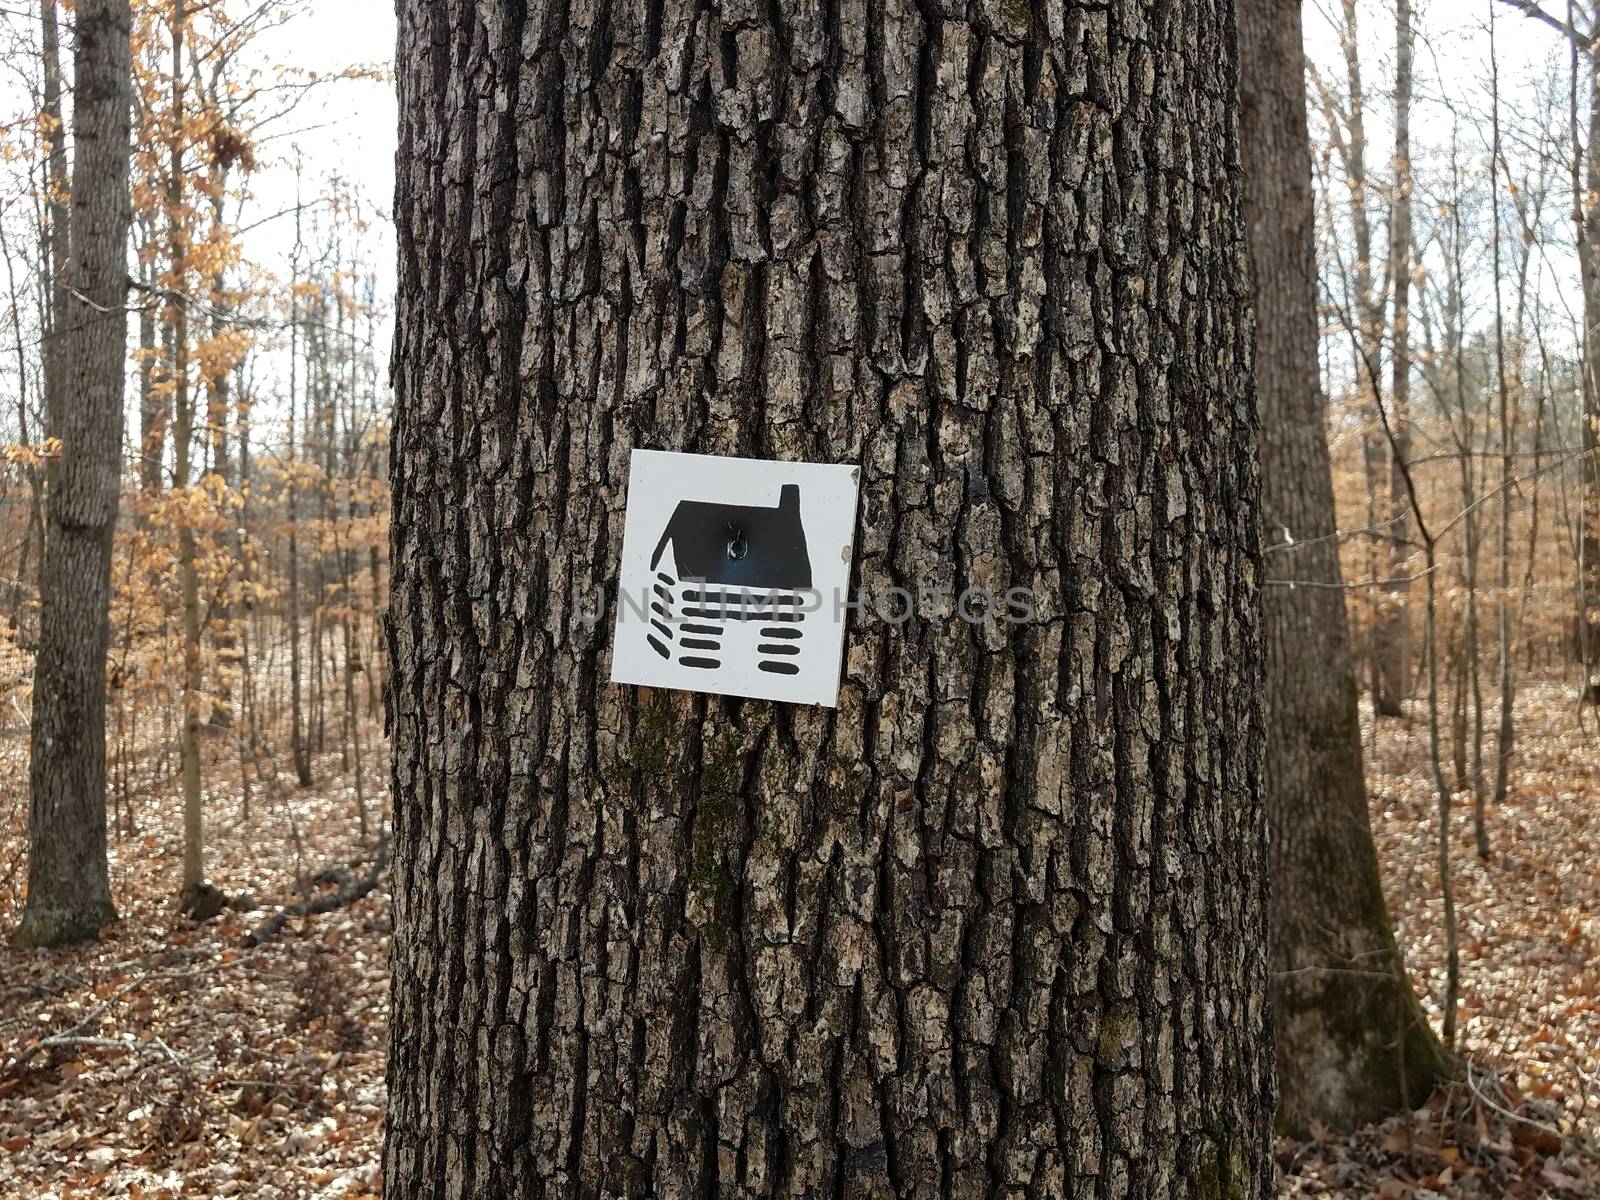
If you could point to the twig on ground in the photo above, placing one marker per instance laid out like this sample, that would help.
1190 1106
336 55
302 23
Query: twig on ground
342 898
1479 1093
71 1034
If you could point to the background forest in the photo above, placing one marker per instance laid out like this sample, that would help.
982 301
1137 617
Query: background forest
226 1036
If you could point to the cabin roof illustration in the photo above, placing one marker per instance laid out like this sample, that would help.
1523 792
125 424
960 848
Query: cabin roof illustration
739 545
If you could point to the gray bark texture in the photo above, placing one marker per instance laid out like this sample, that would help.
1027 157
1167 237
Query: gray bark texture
994 927
1352 1042
69 896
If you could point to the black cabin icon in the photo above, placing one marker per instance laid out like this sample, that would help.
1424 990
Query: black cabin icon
731 563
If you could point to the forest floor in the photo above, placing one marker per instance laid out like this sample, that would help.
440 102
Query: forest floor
173 1059
1524 1121
212 1068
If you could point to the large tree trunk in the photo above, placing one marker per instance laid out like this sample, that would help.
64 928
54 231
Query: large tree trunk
993 926
69 894
1352 1040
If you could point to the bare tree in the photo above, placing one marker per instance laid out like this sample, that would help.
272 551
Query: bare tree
1352 1041
1394 633
69 895
993 926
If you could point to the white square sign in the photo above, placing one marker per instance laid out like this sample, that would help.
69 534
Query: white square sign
735 576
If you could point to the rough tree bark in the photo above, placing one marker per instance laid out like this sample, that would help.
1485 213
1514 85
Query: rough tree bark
69 893
994 925
1352 1041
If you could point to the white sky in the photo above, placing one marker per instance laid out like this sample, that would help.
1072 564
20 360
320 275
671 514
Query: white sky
346 128
1453 96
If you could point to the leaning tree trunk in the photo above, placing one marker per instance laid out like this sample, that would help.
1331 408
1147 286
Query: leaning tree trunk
1352 1040
993 926
69 893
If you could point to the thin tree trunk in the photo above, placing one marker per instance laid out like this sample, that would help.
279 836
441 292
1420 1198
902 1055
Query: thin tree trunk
57 226
311 452
378 665
323 634
1457 665
182 449
33 530
1463 429
154 403
994 925
297 737
69 894
248 564
1587 208
1395 664
1383 645
347 595
353 733
219 408
1430 547
377 671
1471 649
1503 742
1452 988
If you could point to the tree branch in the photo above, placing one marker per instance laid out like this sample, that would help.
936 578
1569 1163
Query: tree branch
1529 8
343 898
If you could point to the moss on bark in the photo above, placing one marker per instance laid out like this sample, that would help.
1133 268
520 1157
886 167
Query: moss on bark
63 926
